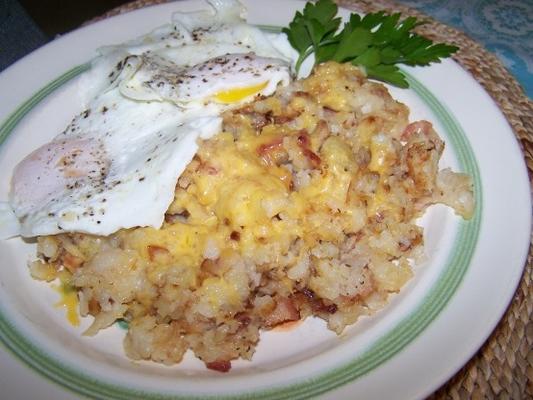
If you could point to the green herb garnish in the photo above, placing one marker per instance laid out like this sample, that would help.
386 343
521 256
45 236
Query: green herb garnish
376 42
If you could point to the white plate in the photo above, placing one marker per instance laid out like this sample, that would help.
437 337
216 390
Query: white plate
406 351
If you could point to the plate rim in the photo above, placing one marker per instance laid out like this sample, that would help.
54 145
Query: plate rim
17 109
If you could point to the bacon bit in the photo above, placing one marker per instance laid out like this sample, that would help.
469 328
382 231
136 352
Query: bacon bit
313 158
219 365
171 218
235 236
303 139
94 306
318 304
156 252
284 311
267 147
273 153
243 318
71 262
423 127
304 142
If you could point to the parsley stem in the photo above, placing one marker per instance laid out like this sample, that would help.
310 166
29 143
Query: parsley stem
302 58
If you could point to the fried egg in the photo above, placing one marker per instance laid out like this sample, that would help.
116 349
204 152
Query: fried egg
190 39
117 163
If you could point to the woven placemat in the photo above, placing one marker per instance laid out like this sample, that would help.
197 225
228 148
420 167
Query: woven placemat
503 367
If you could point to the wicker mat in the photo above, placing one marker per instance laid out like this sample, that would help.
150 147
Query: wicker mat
503 367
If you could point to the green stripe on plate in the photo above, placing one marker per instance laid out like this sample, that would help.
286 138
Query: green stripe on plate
377 354
11 121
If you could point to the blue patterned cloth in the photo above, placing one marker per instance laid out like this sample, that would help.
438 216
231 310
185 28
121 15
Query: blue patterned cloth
504 27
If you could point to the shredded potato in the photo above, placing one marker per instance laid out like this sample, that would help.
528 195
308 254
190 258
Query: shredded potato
303 206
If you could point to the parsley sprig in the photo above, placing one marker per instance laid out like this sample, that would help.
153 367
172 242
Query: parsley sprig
376 42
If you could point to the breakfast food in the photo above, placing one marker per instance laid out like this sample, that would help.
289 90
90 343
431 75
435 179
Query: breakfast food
303 205
287 200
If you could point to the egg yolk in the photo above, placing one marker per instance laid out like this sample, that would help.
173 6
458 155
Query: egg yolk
237 94
69 301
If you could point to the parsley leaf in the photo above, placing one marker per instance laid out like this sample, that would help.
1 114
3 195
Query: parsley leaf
377 42
310 31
